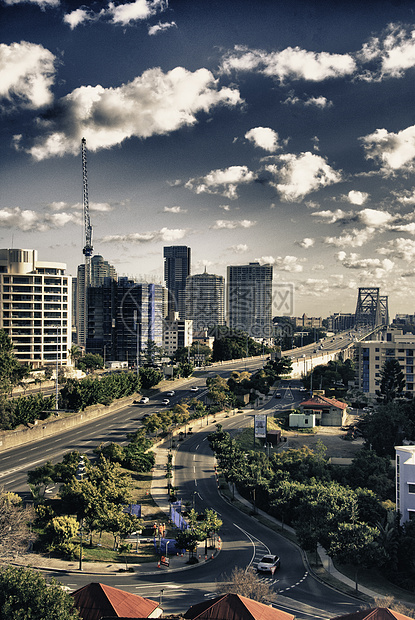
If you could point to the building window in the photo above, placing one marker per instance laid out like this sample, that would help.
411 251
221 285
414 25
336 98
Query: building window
411 487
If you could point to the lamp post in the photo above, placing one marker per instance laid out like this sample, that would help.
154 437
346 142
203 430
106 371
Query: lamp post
80 472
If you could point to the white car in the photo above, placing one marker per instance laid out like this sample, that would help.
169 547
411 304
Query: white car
165 401
302 389
144 400
268 564
194 388
171 393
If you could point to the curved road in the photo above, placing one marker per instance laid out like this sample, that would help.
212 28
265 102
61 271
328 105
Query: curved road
244 538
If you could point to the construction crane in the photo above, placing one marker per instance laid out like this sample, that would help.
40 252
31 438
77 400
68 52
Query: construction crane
87 251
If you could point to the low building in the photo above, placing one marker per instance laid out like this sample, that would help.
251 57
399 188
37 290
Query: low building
327 411
97 600
302 420
405 482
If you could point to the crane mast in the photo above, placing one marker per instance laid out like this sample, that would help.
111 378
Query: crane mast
87 251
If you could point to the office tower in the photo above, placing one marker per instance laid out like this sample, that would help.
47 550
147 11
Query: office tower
205 300
35 309
176 270
123 316
249 299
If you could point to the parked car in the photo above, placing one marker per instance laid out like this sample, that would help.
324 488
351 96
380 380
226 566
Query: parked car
165 401
268 564
171 393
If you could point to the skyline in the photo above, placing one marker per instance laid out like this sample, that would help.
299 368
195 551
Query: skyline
283 135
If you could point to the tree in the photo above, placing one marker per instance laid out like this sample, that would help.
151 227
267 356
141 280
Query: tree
150 377
25 594
355 543
11 371
14 525
392 382
90 361
246 583
152 353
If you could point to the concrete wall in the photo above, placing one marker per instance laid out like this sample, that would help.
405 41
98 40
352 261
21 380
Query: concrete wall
53 426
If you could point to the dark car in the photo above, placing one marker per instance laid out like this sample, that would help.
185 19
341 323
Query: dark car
278 395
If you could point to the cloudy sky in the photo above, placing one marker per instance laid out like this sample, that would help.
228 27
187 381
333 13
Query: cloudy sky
271 131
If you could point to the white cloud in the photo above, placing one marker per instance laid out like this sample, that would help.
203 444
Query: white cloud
43 4
353 261
394 51
161 27
240 248
174 210
318 102
306 243
375 218
99 207
400 248
301 174
231 224
223 182
78 16
330 217
138 10
164 234
290 63
392 150
354 238
405 228
28 220
155 103
225 207
27 73
356 197
406 197
283 263
263 137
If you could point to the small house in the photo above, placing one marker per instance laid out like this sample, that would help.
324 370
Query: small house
327 411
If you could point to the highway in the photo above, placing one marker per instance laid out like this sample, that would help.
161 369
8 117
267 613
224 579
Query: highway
244 538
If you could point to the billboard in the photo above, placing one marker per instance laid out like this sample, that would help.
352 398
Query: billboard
260 426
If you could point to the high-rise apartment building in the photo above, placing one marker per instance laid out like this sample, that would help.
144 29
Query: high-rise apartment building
123 316
371 355
35 307
176 271
205 300
249 299
177 333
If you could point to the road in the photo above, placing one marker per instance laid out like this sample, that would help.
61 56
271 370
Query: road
244 539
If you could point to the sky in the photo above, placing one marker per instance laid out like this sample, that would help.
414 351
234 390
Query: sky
270 131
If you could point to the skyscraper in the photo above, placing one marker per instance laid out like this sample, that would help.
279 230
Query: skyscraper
35 307
205 300
249 299
176 270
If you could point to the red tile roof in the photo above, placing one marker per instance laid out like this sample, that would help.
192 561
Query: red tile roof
318 402
375 613
97 600
234 607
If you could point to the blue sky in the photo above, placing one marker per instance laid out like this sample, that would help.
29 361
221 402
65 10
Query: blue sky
279 132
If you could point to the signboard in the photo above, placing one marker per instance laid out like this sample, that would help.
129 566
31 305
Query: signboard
260 426
164 561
